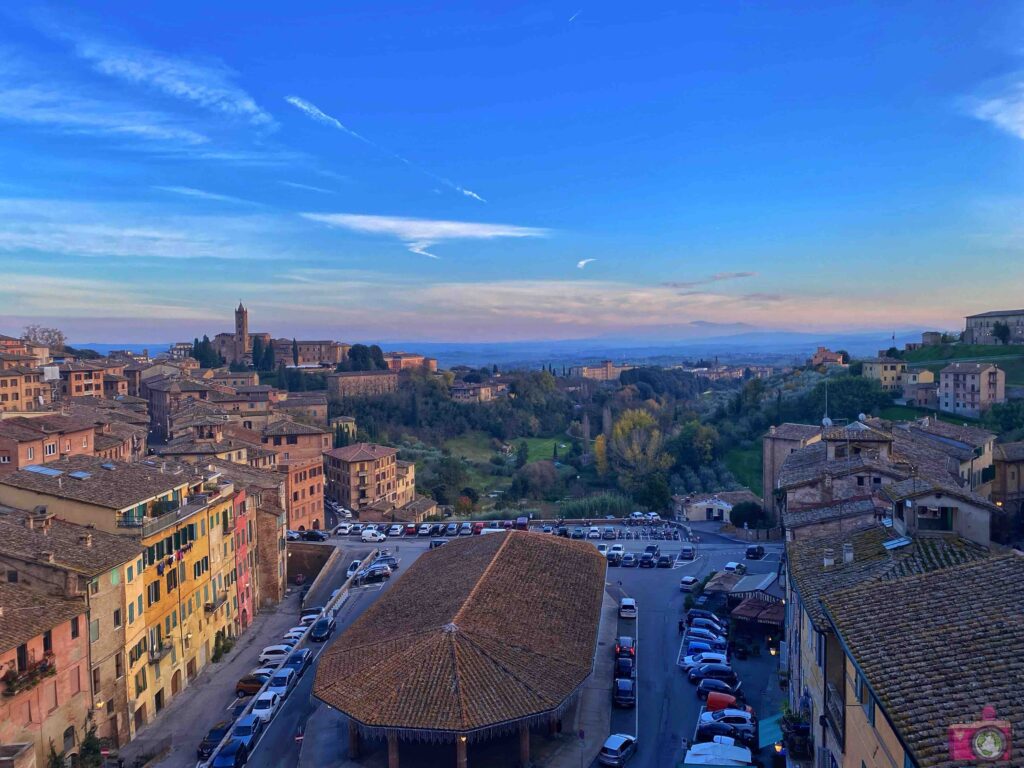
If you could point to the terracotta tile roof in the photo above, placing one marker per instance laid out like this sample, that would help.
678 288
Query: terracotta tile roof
857 431
106 442
485 631
289 427
871 562
123 486
916 487
729 497
998 313
304 399
66 541
1009 452
965 433
826 513
791 431
28 613
960 367
361 452
947 644
176 384
245 476
810 464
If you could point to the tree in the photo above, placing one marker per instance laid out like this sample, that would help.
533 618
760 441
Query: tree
655 493
694 445
522 454
636 449
50 337
472 494
268 357
90 755
844 356
295 352
601 455
894 353
377 358
257 352
554 451
1001 332
747 512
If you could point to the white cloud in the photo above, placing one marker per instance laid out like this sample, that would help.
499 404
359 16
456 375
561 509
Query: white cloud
421 234
718 277
1004 108
208 84
313 111
583 263
308 187
204 195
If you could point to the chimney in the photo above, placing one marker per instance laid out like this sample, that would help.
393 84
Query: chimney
830 557
847 553
771 430
85 540
46 556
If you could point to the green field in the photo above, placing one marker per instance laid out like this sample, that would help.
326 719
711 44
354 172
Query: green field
1010 359
541 447
475 446
745 464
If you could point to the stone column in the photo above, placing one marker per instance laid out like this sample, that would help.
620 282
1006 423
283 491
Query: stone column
460 752
353 740
392 751
524 746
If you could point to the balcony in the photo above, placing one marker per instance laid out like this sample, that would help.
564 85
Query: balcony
155 654
835 713
15 682
218 601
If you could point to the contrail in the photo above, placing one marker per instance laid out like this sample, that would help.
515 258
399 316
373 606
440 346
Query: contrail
573 17
313 111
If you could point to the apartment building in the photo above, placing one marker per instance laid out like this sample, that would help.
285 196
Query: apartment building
970 389
44 654
310 407
978 329
316 353
295 440
887 371
365 473
825 356
165 395
887 707
304 489
920 388
246 584
43 439
1008 486
180 512
23 389
80 379
361 384
56 557
606 371
463 393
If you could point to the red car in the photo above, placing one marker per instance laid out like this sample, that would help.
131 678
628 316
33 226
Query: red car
410 529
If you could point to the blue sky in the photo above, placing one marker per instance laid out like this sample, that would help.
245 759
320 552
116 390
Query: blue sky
439 173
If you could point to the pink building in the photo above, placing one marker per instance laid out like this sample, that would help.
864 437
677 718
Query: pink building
245 556
44 656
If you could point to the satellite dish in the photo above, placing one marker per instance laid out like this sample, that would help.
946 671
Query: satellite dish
862 417
826 422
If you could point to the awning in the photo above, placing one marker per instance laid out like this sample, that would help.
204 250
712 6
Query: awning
773 615
748 610
770 731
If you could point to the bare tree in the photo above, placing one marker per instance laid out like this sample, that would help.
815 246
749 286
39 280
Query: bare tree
53 338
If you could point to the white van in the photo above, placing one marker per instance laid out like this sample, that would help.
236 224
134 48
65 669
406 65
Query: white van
627 608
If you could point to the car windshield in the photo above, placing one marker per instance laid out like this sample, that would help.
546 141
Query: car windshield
244 730
279 680
262 704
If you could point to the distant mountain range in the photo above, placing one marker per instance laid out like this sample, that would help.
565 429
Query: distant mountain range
731 343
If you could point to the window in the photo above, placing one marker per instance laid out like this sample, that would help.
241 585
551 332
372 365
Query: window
131 612
49 449
95 679
118 665
115 576
12 577
94 586
140 681
138 609
74 628
48 641
819 648
117 617
31 452
94 630
153 593
130 573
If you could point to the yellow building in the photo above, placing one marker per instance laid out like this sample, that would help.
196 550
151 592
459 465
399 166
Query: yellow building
177 595
887 371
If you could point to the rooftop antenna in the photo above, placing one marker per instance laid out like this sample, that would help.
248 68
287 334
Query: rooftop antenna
826 422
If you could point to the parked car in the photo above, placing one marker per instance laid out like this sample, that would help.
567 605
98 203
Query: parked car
625 646
410 529
664 561
356 529
395 530
653 549
435 543
353 569
629 560
466 529
577 533
704 657
618 549
250 684
315 535
647 560
614 559
437 529
282 682
617 749
375 574
710 685
265 706
594 532
275 654
212 739
718 671
733 567
373 536
627 608
234 755
687 583
696 633
247 730
322 630
313 610
452 529
755 552
294 635
424 530
342 529
699 613
624 692
299 660
389 560
602 549
608 532
687 552
711 626
562 531
699 646
309 620
623 667
711 731
740 718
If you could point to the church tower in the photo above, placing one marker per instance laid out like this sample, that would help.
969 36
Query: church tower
241 333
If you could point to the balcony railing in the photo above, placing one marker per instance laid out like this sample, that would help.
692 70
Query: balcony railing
218 601
15 682
155 654
835 712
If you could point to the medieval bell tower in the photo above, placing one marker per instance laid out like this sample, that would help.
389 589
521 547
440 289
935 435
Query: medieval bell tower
241 333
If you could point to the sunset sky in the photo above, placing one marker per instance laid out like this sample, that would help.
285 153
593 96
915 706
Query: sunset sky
505 171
